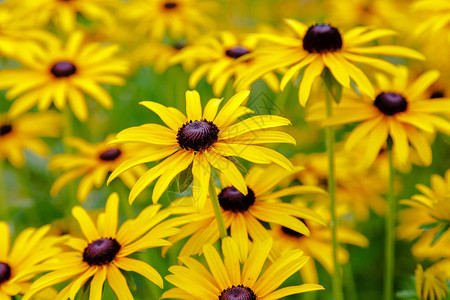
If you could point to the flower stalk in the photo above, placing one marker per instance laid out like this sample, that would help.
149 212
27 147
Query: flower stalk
217 210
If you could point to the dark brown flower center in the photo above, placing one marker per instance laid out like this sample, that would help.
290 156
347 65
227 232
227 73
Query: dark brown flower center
197 135
239 292
5 272
63 69
101 252
437 94
170 5
110 154
390 103
5 129
293 233
237 52
322 38
233 200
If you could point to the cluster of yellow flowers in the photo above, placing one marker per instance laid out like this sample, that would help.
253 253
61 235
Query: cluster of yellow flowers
243 217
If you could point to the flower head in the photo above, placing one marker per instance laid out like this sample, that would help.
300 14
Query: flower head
93 162
203 140
24 132
104 252
430 284
224 279
61 73
321 45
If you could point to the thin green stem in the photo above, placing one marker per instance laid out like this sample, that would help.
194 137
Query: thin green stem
3 194
349 282
330 140
71 200
217 210
390 232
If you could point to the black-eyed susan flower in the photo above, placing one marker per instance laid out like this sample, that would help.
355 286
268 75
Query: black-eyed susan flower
400 110
221 58
104 252
64 72
321 45
26 258
25 132
93 162
245 214
430 284
286 239
202 140
64 13
175 18
225 280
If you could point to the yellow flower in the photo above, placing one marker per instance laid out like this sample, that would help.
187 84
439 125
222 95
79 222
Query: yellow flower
63 13
221 58
176 18
27 258
203 140
316 47
245 214
286 239
105 250
226 280
398 111
93 162
430 284
63 72
24 132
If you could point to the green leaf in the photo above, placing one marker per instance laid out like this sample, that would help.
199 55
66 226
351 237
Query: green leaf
130 281
185 179
84 292
428 226
439 234
332 85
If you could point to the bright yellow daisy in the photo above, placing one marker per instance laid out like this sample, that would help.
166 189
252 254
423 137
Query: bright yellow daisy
286 239
27 257
245 214
104 252
225 280
430 284
64 13
25 132
202 140
175 18
400 111
64 72
93 162
321 45
221 58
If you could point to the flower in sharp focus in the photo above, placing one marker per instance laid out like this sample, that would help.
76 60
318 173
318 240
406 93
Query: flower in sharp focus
175 18
25 259
221 57
62 73
321 45
286 239
203 140
104 252
224 279
430 284
400 111
246 214
93 162
64 13
24 132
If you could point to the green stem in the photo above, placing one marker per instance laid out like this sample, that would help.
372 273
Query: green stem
390 232
217 210
349 281
3 194
330 140
71 200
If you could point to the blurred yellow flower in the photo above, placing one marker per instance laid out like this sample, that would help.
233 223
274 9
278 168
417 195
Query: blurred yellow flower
202 140
226 280
93 162
62 72
430 284
321 45
24 132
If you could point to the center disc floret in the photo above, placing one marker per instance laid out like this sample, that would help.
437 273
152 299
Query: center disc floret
101 252
231 199
63 69
5 272
110 154
391 103
237 51
322 38
197 135
239 292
